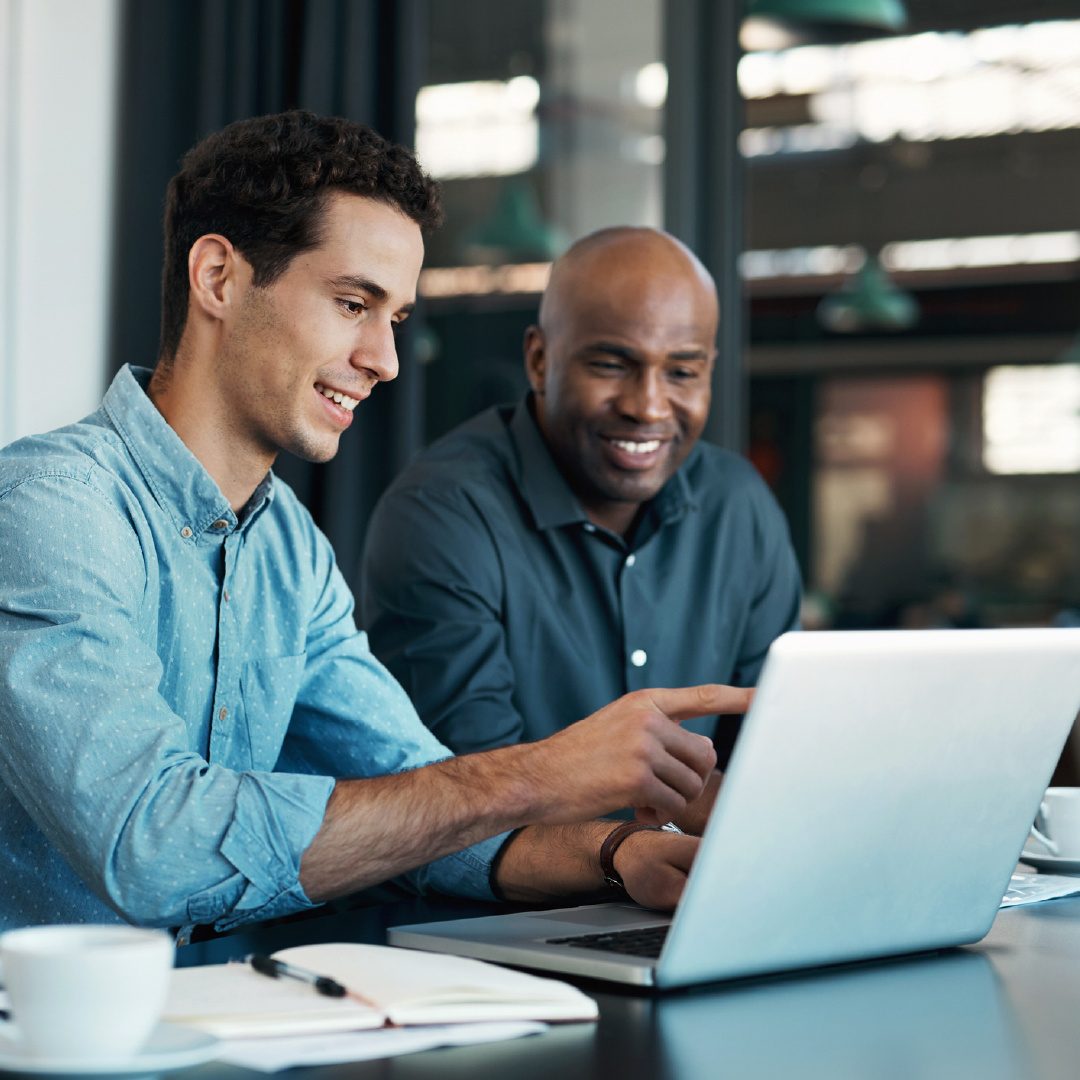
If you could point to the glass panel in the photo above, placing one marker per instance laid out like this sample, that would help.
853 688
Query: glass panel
929 172
920 87
544 121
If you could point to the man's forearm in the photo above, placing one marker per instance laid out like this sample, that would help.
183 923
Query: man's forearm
376 829
630 753
549 862
542 864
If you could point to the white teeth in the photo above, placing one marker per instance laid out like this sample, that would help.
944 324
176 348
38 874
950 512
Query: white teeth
337 397
637 447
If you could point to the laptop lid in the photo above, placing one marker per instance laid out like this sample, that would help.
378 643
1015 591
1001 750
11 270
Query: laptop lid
876 802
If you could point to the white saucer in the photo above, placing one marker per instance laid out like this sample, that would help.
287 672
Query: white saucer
1054 864
171 1046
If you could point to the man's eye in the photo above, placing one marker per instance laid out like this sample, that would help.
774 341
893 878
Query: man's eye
605 366
353 307
682 374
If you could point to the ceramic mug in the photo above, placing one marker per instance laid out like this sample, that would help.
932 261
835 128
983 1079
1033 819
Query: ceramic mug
1057 824
84 994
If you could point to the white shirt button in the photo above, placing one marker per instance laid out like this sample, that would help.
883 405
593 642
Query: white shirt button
631 559
185 532
638 657
221 523
589 527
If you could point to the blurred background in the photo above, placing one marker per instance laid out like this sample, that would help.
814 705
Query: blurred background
888 195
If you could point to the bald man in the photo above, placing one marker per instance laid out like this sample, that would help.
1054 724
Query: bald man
543 559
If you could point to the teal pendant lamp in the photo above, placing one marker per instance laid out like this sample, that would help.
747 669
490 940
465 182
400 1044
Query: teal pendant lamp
869 300
876 14
515 231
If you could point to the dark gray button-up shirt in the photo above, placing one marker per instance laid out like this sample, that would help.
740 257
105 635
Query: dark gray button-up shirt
507 614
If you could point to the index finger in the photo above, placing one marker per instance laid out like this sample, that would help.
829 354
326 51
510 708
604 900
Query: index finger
686 702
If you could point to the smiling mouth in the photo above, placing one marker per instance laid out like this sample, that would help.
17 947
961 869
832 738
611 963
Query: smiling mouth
337 397
634 447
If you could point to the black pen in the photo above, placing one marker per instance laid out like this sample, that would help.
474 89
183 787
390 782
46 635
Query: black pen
278 969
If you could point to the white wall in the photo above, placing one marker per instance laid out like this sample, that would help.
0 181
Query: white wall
58 80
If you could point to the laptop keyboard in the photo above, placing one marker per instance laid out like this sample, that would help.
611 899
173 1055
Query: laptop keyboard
647 942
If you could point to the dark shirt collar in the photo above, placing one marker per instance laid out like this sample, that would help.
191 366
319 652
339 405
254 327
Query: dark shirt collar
548 495
180 483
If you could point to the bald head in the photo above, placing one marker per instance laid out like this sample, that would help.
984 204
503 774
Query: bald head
606 266
620 366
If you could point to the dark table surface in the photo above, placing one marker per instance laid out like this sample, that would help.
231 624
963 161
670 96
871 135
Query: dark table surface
1005 1009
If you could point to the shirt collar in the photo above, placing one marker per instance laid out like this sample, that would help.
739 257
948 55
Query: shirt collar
548 495
182 487
676 498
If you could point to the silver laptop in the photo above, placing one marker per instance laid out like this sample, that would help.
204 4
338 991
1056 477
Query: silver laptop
876 803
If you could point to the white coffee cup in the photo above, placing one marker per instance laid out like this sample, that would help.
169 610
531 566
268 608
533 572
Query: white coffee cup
1057 825
84 994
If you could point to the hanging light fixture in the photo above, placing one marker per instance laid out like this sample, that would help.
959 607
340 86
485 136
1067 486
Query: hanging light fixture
514 231
868 300
820 20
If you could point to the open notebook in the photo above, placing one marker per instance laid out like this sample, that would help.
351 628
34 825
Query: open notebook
385 985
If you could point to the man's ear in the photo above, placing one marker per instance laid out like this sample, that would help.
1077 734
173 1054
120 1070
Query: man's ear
536 358
213 270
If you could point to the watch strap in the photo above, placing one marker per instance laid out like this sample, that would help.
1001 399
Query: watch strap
611 843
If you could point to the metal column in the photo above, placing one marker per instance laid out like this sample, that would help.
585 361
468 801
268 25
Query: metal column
704 181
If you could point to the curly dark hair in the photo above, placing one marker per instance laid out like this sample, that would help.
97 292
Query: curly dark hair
264 182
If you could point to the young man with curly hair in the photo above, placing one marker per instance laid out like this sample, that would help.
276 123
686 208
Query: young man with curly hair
194 731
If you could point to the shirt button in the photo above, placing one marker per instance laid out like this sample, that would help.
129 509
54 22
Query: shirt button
226 596
638 658
589 527
221 523
185 532
223 713
631 559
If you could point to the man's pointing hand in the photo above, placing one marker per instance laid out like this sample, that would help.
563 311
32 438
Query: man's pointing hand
630 753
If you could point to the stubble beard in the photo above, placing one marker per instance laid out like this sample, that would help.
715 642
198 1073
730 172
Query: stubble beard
273 424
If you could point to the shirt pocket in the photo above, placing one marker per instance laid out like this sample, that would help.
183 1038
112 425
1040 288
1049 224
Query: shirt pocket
268 689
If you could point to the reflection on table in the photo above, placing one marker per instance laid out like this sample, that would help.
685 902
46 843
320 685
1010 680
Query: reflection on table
1006 1009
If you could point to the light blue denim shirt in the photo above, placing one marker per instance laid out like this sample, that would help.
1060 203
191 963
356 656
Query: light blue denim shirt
177 686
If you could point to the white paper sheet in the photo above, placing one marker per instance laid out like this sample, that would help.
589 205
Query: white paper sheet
272 1055
1032 888
234 1001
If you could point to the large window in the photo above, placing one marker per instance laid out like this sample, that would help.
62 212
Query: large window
913 267
543 120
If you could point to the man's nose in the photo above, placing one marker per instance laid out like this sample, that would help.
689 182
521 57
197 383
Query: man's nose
645 399
377 353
